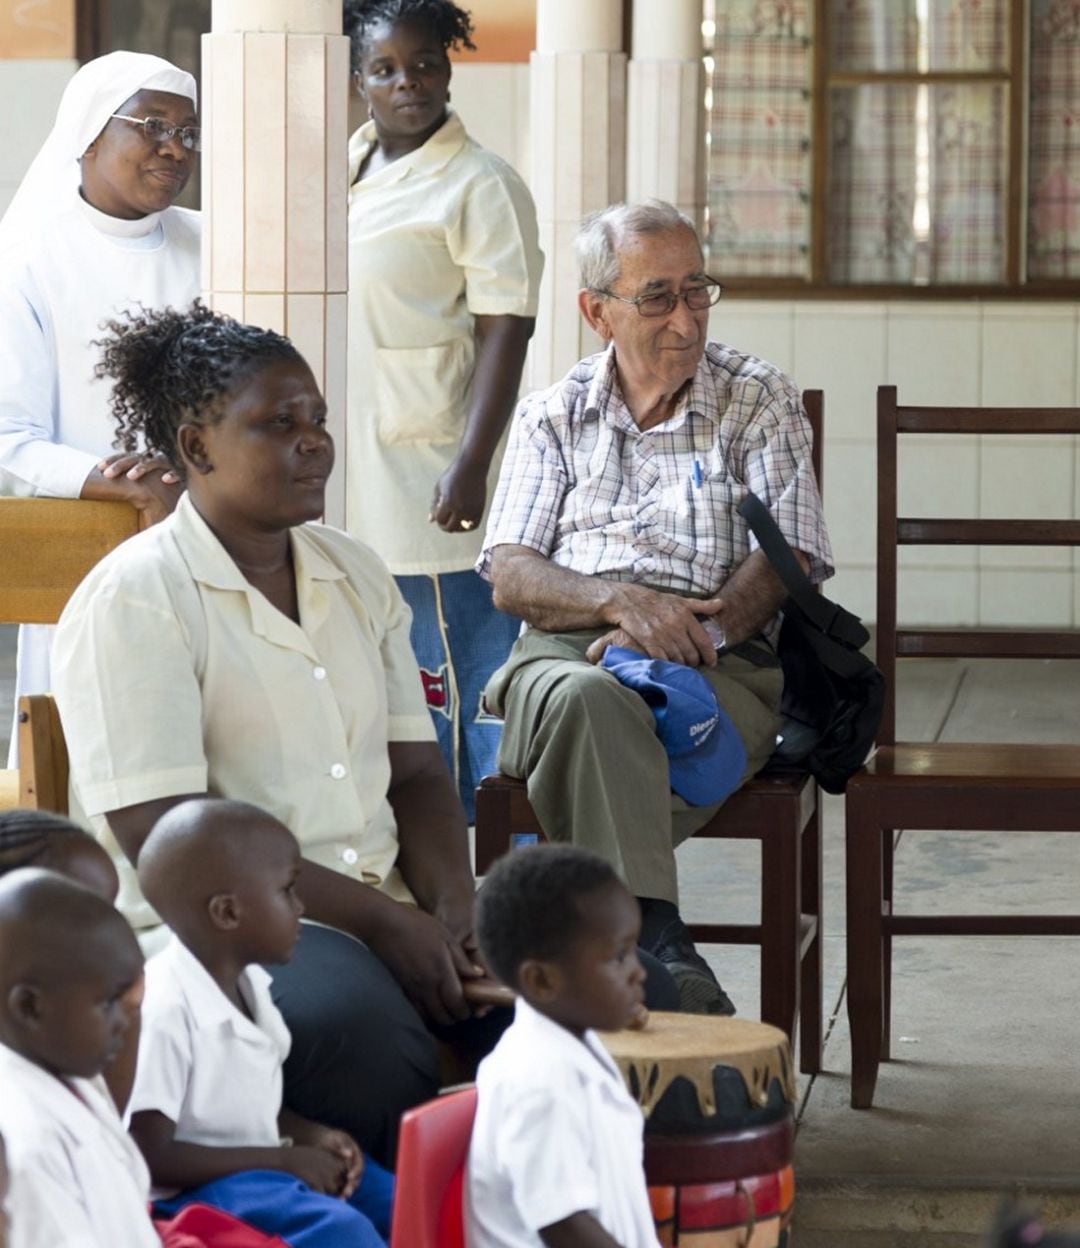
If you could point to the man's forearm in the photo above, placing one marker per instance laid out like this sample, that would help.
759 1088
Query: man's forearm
752 595
530 586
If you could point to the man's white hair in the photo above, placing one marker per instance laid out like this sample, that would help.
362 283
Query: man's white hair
597 243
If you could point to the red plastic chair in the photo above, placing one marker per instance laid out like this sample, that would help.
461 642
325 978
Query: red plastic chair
432 1147
201 1226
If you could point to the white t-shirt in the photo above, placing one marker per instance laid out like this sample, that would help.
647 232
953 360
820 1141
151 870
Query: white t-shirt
77 1179
173 674
556 1133
204 1064
438 237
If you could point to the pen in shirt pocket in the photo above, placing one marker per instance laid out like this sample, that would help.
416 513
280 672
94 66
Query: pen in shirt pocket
697 473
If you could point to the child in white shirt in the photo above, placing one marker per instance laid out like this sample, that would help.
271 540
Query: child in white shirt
556 1152
40 838
67 962
206 1108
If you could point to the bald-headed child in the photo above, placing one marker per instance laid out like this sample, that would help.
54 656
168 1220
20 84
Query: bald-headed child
206 1109
40 838
67 961
556 1157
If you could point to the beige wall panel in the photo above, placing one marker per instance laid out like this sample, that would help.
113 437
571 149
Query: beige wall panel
545 137
226 154
312 17
571 139
937 597
1023 598
335 394
207 108
692 140
305 148
642 125
265 310
538 361
305 323
231 302
609 102
337 165
1027 355
264 161
578 118
665 134
667 30
579 25
37 85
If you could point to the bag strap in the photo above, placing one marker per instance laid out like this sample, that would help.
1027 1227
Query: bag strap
828 616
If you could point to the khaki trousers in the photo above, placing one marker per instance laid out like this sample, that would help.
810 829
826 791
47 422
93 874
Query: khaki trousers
596 772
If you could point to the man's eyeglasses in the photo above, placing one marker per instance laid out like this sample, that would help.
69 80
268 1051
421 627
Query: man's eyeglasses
155 131
697 299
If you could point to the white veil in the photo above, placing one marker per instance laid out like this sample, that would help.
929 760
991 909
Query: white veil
90 98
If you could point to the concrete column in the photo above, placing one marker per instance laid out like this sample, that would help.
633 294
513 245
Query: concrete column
578 122
665 149
275 183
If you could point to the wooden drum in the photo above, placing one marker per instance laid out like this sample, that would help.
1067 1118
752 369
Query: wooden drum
717 1095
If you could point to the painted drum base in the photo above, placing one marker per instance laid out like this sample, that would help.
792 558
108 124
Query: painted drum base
753 1212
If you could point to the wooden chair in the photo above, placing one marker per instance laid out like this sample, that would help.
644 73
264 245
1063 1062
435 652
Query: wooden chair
945 785
432 1147
49 545
43 756
779 808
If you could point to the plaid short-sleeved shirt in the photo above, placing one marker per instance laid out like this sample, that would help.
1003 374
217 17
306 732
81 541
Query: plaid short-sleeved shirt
583 485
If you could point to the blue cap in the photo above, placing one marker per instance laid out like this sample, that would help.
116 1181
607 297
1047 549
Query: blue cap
705 752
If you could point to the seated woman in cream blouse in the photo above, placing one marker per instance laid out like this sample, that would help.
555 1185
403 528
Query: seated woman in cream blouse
237 651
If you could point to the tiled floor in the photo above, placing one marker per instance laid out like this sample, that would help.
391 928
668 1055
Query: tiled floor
983 1097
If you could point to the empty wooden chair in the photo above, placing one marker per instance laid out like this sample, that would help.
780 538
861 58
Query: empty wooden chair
945 785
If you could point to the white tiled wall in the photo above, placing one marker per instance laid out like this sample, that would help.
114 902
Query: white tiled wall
33 90
956 353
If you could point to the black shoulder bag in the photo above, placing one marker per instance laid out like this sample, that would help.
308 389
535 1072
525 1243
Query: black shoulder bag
833 694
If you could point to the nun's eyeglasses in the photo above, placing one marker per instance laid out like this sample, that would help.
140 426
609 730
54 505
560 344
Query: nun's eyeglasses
155 131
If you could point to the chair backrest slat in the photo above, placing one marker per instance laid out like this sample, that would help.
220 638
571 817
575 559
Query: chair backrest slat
1002 421
987 644
48 545
43 756
894 531
814 406
987 532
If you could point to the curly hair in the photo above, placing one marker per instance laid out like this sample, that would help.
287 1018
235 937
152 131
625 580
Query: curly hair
170 367
452 25
532 904
26 835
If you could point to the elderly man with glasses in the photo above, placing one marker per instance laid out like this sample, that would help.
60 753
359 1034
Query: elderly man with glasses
614 529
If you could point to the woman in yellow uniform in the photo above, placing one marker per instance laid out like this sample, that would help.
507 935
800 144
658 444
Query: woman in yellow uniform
444 273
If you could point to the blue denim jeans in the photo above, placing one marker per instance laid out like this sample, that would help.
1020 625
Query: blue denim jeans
459 639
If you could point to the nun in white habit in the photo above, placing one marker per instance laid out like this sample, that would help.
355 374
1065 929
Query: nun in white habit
91 232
